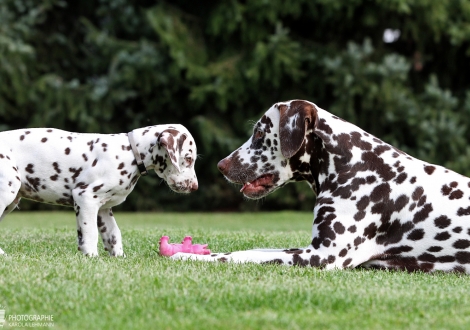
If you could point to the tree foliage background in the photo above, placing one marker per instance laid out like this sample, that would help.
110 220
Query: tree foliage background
215 66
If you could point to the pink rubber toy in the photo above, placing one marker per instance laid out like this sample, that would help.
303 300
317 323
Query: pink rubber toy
186 246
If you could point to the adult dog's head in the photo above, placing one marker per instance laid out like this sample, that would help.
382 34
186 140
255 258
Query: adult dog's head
278 152
176 164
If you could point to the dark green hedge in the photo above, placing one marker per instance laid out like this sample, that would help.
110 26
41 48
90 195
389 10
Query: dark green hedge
215 66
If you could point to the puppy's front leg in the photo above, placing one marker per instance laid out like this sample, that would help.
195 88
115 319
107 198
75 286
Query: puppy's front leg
86 210
110 233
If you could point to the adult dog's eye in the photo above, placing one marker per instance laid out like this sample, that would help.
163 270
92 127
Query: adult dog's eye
259 134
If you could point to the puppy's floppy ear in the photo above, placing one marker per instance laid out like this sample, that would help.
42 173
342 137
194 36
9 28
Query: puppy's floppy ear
167 139
294 122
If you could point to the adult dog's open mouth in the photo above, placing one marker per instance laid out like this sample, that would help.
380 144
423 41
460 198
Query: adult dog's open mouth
258 187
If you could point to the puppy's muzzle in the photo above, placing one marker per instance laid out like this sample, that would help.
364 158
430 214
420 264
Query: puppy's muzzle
184 187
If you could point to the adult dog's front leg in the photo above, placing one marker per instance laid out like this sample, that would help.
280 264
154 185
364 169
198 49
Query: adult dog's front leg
254 256
110 233
291 257
86 210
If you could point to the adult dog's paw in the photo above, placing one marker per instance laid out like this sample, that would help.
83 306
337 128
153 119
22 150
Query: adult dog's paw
190 256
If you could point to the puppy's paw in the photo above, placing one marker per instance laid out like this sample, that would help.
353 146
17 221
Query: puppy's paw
117 254
88 252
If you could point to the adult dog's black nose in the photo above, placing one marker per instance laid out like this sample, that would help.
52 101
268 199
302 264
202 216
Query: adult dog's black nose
223 165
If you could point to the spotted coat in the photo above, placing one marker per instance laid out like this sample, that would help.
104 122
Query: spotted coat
376 206
91 173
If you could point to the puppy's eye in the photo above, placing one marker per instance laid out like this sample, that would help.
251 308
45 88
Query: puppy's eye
259 134
188 160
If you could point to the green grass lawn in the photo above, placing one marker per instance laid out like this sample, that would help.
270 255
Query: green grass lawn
44 274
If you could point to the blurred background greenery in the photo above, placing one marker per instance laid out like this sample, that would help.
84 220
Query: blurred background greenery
397 68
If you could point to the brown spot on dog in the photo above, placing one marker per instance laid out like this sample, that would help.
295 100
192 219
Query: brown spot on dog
461 244
76 172
392 231
462 257
96 188
347 262
456 194
399 249
56 167
446 190
427 257
462 212
429 169
380 192
381 149
401 178
435 248
370 231
417 193
422 214
443 236
363 203
416 235
442 222
29 168
457 230
338 227
422 200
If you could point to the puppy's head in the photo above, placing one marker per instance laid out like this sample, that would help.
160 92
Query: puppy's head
276 152
176 164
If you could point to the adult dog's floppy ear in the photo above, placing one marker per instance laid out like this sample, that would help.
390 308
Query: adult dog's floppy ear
293 123
168 140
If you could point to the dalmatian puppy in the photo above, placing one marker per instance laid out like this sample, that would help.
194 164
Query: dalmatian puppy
376 206
92 173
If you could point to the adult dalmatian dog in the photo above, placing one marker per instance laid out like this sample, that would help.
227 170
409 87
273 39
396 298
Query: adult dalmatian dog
376 206
92 173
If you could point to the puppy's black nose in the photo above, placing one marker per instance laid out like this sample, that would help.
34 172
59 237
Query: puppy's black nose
223 165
